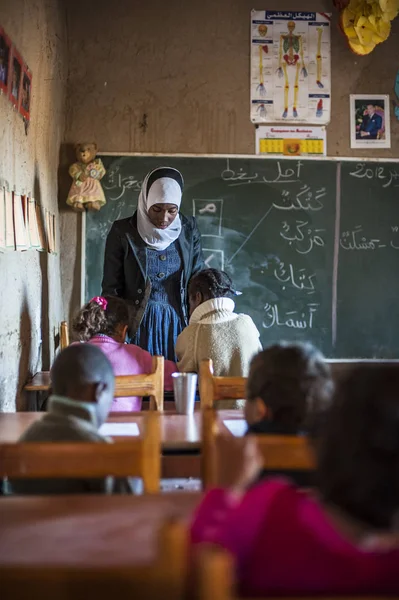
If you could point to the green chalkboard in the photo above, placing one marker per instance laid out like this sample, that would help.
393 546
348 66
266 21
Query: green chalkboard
284 231
368 261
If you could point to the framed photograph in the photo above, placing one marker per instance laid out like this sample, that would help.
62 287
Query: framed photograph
370 121
5 58
26 90
16 71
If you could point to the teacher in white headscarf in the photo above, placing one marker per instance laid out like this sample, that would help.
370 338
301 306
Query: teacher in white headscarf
149 260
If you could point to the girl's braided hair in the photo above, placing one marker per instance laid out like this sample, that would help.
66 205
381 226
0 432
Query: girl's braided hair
211 283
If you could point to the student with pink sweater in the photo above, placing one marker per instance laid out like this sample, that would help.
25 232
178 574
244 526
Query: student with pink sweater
342 539
103 322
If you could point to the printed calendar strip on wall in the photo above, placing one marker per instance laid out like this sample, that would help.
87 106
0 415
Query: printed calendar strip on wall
22 225
21 241
51 236
33 225
9 221
2 220
291 140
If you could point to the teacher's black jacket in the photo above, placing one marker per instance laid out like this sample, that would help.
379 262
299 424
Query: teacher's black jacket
125 269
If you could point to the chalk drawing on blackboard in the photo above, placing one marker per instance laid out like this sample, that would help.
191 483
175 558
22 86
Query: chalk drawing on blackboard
303 238
250 234
304 199
214 259
209 214
298 279
116 185
350 240
293 319
378 172
240 177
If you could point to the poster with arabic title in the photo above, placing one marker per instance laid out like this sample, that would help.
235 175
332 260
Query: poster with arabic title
290 67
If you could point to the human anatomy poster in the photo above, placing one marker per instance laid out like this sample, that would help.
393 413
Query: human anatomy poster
290 67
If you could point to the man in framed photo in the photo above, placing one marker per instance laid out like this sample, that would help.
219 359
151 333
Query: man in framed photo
371 124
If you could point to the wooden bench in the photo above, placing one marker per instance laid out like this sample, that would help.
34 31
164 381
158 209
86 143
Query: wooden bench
164 578
216 579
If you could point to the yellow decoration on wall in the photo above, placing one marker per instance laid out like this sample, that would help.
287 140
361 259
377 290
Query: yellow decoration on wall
367 23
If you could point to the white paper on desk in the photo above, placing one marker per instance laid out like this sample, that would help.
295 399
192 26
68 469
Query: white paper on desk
114 429
237 427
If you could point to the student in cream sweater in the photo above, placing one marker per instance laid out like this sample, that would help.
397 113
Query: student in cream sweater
215 331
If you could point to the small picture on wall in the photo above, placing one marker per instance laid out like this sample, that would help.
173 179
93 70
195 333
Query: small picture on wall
370 121
16 77
5 51
24 108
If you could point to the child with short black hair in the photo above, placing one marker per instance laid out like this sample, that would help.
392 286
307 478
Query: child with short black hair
104 322
289 385
289 389
82 390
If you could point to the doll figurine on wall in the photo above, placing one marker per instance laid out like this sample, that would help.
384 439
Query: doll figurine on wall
86 191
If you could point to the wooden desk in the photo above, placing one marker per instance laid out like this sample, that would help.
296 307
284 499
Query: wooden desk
85 531
179 432
39 382
181 436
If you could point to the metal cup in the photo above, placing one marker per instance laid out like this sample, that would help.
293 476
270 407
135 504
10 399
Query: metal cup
184 387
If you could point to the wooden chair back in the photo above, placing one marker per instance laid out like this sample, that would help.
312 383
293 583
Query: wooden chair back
215 578
279 452
139 457
233 388
218 388
151 385
64 335
164 578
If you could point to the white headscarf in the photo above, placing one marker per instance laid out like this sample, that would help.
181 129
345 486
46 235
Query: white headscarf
164 190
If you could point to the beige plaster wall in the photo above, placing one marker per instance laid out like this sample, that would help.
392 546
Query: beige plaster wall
186 66
30 291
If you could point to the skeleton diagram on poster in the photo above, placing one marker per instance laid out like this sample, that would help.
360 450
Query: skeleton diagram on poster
290 67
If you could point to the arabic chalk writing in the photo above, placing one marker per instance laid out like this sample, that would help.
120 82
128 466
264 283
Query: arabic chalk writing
351 240
293 319
235 178
395 243
303 200
208 208
386 176
305 237
115 181
301 281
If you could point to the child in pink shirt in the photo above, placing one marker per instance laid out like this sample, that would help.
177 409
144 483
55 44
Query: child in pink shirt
344 538
103 322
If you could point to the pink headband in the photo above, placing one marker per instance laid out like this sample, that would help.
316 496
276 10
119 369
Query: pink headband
100 301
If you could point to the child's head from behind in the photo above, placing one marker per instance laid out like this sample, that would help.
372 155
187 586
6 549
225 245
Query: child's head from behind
358 454
83 373
106 315
208 284
289 384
